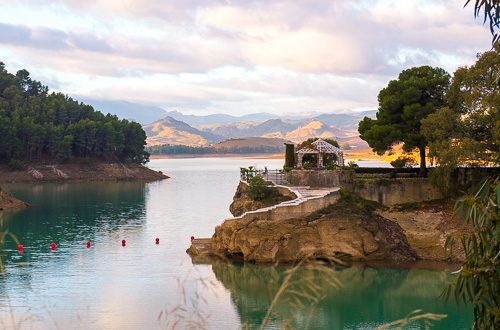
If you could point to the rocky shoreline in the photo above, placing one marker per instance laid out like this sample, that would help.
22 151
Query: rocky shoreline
349 231
10 203
79 172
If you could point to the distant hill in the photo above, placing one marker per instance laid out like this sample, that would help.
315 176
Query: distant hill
343 127
251 145
251 142
143 114
219 118
175 132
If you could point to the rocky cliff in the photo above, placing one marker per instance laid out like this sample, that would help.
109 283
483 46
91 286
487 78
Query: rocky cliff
343 232
8 202
350 230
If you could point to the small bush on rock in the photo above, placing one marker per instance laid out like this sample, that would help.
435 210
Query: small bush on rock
258 190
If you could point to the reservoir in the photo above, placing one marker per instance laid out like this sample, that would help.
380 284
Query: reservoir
144 285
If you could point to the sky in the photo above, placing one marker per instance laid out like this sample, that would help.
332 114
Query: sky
235 57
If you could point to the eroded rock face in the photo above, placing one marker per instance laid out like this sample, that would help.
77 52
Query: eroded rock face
243 203
427 228
8 202
343 234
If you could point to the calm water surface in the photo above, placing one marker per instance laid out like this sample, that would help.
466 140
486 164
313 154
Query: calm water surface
148 286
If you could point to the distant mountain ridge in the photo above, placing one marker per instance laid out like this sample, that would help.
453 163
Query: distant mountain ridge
171 131
143 114
342 127
176 128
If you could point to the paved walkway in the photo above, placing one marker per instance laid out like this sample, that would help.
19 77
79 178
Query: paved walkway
308 200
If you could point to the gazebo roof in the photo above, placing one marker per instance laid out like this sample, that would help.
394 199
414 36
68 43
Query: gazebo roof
320 146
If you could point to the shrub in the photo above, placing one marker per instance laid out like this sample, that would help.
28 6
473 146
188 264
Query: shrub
258 190
403 162
478 282
16 164
352 164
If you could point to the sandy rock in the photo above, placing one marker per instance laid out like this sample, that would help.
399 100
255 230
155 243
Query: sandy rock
427 228
8 202
348 236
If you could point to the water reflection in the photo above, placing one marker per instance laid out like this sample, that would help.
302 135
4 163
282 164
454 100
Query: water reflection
366 298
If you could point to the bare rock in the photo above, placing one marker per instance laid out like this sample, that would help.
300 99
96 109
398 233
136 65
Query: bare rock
8 202
343 235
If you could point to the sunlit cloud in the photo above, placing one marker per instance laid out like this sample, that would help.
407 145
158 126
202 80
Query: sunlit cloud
235 56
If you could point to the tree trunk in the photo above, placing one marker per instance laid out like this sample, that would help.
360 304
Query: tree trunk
423 167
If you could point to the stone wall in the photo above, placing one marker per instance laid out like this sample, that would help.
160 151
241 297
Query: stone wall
387 191
324 178
396 191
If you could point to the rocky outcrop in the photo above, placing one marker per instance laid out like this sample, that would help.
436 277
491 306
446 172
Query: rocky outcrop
344 234
243 203
9 203
427 227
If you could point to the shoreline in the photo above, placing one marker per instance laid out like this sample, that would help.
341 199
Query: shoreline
75 172
252 156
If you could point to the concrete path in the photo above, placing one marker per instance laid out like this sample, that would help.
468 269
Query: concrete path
308 200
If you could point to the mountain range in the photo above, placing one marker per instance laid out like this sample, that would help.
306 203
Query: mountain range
342 127
176 128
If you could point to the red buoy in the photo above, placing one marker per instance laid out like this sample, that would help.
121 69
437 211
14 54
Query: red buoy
20 247
53 246
124 242
157 240
88 244
192 237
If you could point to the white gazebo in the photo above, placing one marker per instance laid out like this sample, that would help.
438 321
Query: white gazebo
321 148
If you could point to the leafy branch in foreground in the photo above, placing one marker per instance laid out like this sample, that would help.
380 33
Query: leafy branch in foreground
491 9
478 282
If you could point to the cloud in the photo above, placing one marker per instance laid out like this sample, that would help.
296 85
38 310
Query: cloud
237 54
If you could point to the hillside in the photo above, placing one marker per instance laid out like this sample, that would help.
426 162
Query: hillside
342 127
175 132
36 126
251 145
251 142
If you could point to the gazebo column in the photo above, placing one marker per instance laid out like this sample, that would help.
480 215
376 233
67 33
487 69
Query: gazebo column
299 160
320 160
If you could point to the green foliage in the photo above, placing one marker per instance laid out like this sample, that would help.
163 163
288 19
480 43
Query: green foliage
479 281
403 162
467 131
352 164
491 9
310 141
416 93
35 124
289 155
259 191
16 164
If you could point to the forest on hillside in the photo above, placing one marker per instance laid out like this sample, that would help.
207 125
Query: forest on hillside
37 125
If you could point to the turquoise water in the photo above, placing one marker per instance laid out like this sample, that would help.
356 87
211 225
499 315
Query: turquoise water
148 286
